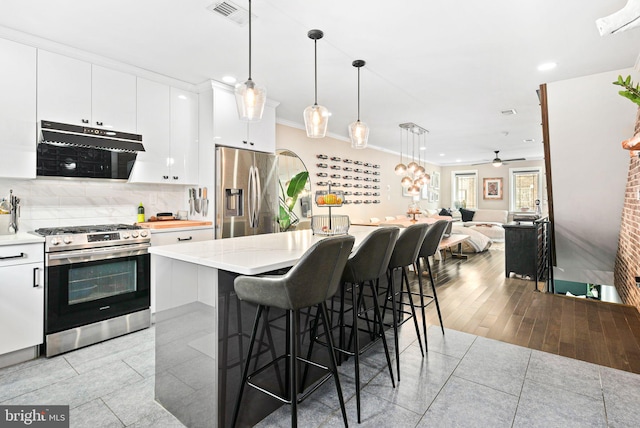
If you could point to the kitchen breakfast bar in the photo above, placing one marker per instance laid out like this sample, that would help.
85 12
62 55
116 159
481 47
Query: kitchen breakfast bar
202 335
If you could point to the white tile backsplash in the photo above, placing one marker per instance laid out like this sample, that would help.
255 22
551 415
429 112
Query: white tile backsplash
48 203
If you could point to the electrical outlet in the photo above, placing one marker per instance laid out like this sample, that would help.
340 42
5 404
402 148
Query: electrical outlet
638 281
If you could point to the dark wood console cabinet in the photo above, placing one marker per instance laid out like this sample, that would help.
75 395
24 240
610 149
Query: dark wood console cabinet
521 246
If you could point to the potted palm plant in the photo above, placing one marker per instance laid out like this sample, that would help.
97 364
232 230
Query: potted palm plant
288 199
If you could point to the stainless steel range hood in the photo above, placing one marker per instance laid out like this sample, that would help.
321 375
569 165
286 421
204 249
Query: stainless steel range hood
97 138
74 151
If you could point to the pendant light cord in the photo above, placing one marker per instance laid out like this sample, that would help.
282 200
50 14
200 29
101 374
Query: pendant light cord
249 39
315 68
358 94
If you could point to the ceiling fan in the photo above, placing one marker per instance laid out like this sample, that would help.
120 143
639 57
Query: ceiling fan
497 161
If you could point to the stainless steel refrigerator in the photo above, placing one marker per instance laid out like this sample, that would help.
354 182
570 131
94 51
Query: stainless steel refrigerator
246 193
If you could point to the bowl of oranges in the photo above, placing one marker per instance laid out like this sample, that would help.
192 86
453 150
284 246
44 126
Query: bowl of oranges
325 198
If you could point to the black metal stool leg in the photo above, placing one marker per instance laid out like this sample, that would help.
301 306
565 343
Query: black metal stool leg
314 334
422 306
376 311
412 306
356 342
394 312
435 296
332 359
293 365
245 370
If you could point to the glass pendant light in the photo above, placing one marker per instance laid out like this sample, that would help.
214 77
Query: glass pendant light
250 97
316 118
406 181
401 168
358 131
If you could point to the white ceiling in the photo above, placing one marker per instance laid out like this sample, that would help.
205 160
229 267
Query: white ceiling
448 66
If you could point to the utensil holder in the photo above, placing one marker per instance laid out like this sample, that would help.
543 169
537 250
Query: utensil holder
5 220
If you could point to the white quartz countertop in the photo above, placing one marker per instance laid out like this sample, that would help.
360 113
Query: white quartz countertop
251 255
181 229
20 238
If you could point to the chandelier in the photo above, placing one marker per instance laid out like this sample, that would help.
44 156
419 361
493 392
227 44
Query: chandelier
414 176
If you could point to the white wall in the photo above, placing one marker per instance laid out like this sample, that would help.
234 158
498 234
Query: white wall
489 171
587 122
391 200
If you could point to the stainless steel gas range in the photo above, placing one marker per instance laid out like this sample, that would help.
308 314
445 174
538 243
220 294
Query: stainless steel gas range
97 284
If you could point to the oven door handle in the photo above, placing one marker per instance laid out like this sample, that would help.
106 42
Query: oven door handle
67 257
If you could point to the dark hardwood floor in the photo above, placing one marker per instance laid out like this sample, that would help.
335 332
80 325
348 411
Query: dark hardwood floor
476 297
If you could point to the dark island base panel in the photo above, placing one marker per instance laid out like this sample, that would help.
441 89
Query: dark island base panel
186 360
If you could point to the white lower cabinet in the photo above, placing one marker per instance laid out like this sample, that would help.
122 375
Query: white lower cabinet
174 283
21 297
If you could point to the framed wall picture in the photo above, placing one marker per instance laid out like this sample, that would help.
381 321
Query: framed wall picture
492 188
405 191
435 180
424 193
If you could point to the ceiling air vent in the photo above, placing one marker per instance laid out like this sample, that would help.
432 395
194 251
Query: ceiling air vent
231 11
509 112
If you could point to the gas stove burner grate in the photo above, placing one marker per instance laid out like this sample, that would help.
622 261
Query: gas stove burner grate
71 230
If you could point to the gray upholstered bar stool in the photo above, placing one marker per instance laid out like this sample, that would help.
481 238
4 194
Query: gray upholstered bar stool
404 254
365 267
313 280
428 249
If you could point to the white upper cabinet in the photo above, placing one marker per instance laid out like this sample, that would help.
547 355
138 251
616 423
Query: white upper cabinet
262 134
64 89
154 124
184 137
17 110
79 93
168 122
113 99
228 130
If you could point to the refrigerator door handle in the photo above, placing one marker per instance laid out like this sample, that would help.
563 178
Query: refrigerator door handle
258 197
250 197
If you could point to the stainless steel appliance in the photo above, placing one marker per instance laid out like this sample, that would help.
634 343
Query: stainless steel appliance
97 284
79 151
246 193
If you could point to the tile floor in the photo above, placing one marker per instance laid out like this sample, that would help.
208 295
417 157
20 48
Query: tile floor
464 381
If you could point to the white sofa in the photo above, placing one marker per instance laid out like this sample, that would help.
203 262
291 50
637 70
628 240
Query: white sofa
489 223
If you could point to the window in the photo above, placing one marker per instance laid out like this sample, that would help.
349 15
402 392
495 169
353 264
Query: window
526 187
464 189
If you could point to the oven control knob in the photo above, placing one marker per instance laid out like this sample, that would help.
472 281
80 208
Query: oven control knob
143 233
55 241
67 240
125 235
134 234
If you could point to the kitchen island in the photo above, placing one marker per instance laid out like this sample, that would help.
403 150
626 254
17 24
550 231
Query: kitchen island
202 336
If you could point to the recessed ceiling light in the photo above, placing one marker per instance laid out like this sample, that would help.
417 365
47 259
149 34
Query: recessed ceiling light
229 79
529 140
458 160
441 154
547 66
423 148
